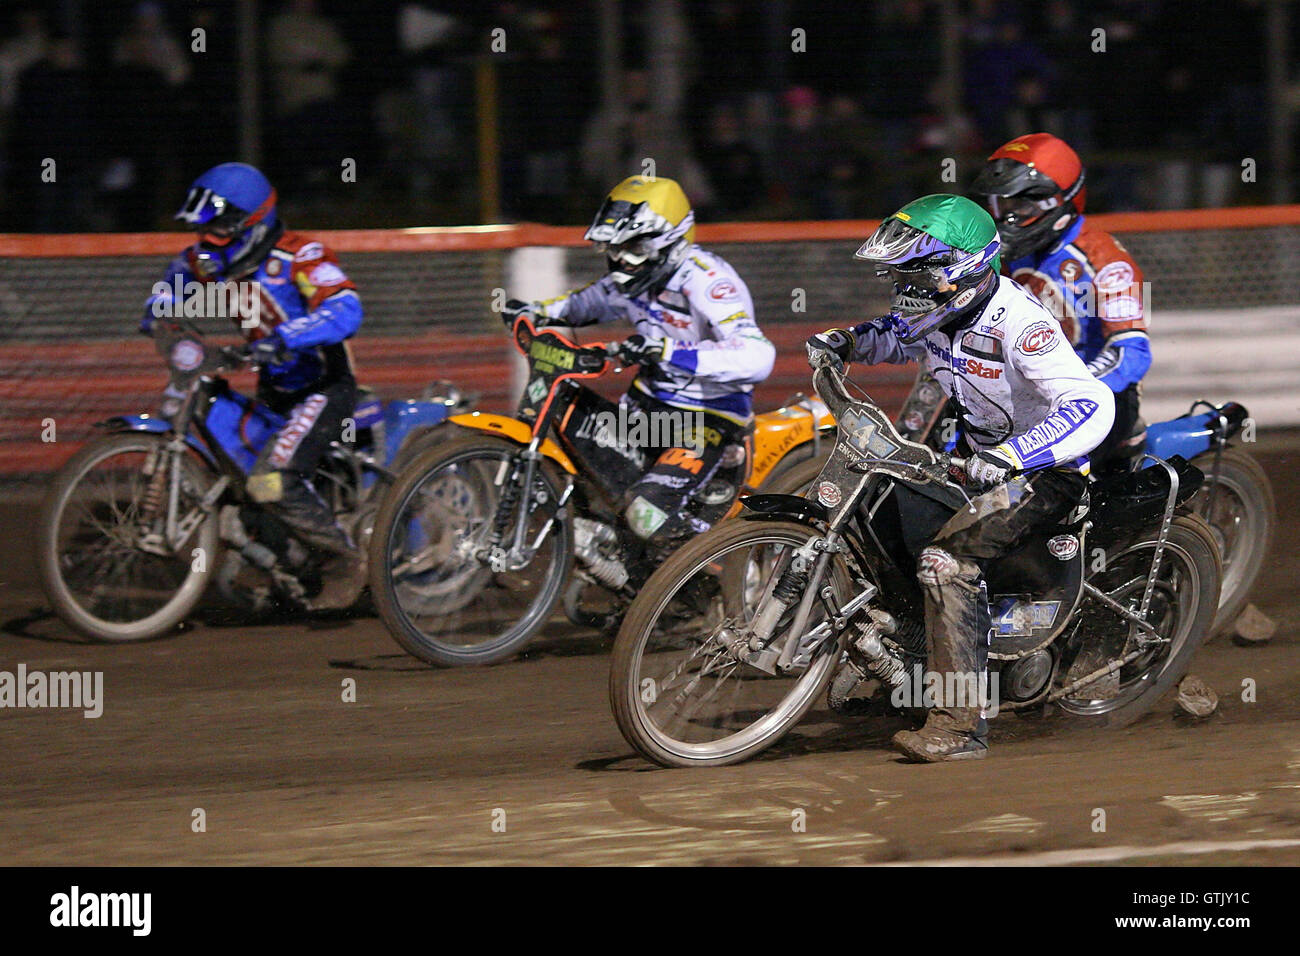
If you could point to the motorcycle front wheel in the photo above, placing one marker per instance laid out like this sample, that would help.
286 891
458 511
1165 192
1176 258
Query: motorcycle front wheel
432 575
104 574
680 695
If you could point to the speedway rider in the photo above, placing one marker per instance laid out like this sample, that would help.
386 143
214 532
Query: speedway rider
1029 409
1034 187
307 307
697 343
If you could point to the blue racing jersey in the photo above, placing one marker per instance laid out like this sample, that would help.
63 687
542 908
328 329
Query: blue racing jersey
1091 284
298 294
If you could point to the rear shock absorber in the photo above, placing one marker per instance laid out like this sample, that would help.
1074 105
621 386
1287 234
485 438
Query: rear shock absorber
791 586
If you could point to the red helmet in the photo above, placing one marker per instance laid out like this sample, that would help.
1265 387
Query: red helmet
1034 189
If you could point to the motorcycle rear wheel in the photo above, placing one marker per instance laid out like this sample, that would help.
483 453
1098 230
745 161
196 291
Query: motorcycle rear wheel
1183 609
1242 518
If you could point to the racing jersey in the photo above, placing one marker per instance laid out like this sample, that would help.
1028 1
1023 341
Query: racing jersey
1021 390
301 295
714 352
1094 288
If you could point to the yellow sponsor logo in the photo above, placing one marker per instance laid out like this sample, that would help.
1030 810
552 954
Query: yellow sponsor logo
550 355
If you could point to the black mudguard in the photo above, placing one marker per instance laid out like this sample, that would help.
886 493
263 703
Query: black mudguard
786 506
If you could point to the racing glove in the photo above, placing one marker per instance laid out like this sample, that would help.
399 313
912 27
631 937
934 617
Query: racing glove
265 351
516 307
832 347
638 350
991 467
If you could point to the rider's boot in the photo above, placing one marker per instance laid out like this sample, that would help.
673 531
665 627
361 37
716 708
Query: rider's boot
957 626
343 572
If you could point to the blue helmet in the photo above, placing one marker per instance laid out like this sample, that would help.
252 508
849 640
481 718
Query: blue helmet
232 208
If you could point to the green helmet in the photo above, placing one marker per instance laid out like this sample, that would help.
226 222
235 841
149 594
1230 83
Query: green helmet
942 252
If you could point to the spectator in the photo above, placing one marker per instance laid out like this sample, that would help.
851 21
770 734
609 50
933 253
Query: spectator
733 167
618 136
306 52
19 52
439 154
210 122
137 107
16 55
801 151
147 44
850 143
541 91
1031 109
993 69
53 141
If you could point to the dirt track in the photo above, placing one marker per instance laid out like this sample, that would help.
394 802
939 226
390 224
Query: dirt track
248 723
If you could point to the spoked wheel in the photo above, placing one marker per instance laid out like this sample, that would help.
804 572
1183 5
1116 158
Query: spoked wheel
680 693
1242 518
1183 605
446 594
101 551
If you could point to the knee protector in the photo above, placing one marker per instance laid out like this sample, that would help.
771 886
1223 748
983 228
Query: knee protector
936 567
644 518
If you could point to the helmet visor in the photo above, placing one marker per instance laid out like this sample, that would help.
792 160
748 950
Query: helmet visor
215 220
221 229
895 243
1019 210
629 254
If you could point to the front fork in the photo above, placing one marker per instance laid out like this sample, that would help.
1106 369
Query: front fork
520 551
801 580
163 529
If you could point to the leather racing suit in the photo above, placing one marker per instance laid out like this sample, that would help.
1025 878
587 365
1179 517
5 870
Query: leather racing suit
307 303
1025 395
1091 284
713 355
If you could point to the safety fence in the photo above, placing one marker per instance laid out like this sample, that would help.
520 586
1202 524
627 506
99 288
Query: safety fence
1224 287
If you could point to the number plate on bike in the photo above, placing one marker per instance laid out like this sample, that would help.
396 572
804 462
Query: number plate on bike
865 435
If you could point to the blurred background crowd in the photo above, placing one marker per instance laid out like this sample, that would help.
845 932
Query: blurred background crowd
462 111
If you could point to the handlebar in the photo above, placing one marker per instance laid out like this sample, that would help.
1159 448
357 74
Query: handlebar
232 357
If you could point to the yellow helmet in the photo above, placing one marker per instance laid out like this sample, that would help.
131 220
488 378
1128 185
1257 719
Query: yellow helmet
645 225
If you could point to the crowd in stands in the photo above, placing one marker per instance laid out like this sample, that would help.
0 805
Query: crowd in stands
132 99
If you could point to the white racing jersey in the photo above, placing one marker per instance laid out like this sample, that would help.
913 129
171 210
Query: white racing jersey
714 351
1021 386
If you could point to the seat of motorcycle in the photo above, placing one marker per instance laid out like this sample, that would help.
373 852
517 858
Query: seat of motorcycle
1133 497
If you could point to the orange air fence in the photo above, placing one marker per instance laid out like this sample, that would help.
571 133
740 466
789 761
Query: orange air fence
70 304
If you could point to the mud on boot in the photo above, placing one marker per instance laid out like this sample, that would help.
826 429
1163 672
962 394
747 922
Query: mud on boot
934 742
343 577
